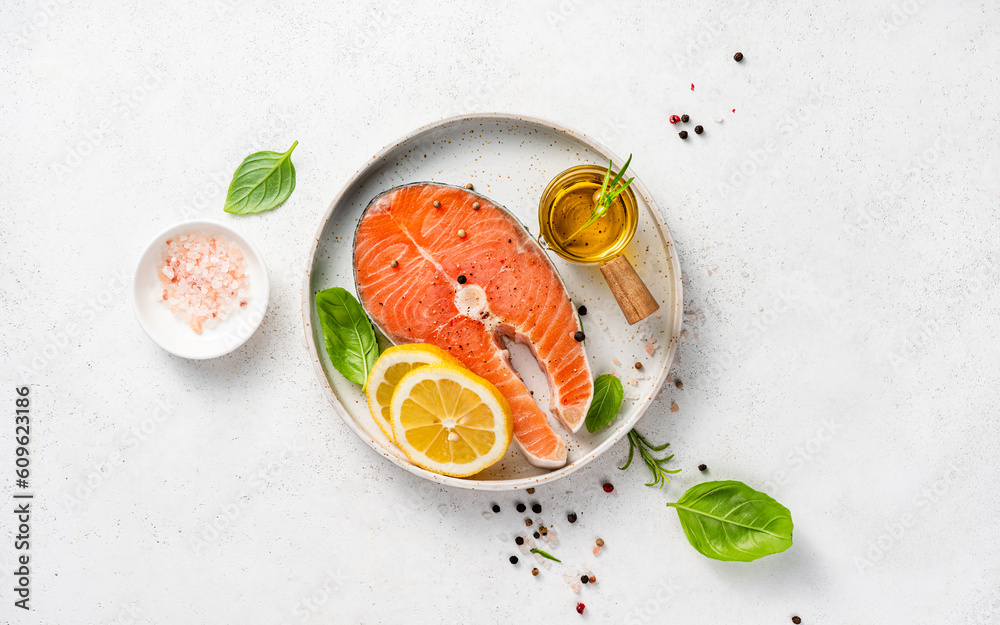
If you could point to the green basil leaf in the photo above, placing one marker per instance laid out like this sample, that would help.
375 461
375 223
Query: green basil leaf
733 522
348 334
262 182
608 395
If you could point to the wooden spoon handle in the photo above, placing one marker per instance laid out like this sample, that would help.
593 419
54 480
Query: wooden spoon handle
633 297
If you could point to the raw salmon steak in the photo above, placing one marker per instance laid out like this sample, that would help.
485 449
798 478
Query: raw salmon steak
443 265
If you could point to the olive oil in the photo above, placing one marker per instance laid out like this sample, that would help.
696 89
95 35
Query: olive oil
566 205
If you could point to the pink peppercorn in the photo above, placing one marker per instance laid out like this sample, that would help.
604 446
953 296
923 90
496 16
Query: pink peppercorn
674 119
580 608
608 487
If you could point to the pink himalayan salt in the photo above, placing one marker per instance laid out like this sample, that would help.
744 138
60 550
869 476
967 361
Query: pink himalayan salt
204 278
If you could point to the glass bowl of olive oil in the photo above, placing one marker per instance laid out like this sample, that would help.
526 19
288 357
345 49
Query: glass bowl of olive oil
563 212
568 202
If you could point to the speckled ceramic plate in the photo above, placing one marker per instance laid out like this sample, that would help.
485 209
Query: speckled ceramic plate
509 159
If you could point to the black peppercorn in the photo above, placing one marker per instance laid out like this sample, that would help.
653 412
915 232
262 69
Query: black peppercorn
579 336
537 508
496 508
513 559
685 118
462 279
571 517
683 134
796 620
537 535
585 579
582 310
521 507
738 57
519 540
698 130
702 467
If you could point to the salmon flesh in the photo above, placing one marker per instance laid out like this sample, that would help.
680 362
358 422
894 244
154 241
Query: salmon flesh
440 264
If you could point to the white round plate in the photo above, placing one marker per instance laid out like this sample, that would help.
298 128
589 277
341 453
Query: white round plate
509 159
174 335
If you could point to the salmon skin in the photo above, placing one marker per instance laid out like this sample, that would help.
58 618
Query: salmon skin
440 264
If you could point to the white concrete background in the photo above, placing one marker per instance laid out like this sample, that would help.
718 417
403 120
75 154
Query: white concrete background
838 237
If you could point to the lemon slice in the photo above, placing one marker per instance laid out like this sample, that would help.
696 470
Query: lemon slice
389 369
450 421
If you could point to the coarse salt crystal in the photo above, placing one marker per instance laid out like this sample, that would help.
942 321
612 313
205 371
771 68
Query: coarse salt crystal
196 286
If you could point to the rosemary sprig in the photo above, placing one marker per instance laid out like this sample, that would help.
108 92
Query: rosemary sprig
545 555
608 194
655 465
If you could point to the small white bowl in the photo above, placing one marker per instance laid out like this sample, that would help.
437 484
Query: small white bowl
174 335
